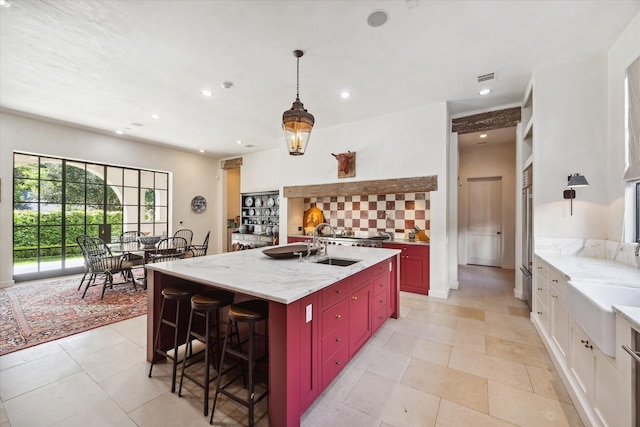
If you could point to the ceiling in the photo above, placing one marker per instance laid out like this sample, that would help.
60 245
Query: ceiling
110 65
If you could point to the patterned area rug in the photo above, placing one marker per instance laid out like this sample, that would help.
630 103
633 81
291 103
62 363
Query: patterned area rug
34 313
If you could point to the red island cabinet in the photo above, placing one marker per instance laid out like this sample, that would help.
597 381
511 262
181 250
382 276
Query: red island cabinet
414 267
299 239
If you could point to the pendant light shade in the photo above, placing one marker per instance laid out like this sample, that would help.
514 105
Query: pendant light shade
297 122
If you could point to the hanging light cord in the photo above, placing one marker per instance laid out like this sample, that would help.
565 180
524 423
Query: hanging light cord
298 78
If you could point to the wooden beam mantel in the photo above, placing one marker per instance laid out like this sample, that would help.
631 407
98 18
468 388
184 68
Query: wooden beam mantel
487 121
353 188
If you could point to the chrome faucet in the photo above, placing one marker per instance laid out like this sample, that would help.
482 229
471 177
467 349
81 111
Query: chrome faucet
315 235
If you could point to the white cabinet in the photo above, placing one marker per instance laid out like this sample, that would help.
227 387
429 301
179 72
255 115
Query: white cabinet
600 383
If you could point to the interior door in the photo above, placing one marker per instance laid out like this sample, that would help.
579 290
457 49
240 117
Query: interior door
484 236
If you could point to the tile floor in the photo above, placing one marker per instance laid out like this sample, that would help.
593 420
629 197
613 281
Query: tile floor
472 360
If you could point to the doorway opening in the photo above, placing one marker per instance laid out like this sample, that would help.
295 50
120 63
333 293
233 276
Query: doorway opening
233 204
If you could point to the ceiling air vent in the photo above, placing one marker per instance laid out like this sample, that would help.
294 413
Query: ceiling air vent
486 77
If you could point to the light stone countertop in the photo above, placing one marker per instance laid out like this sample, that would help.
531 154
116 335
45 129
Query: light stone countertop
253 273
604 271
630 314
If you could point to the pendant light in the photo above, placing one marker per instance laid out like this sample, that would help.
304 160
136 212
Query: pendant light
297 122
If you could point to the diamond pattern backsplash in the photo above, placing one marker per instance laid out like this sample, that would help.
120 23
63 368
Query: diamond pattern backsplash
393 213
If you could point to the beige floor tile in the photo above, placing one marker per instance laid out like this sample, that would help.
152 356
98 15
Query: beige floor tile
518 311
455 337
530 338
330 413
494 368
135 329
465 389
393 403
133 394
344 383
169 410
529 409
39 372
406 326
498 330
451 414
417 301
432 351
545 381
382 335
386 363
119 357
435 318
401 343
518 352
66 402
3 413
29 354
91 341
459 311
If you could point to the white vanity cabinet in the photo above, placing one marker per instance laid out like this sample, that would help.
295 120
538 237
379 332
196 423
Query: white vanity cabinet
541 296
559 315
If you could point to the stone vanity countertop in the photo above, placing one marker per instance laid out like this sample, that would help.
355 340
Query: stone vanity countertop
597 270
251 272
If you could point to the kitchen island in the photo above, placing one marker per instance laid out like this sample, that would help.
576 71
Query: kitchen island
319 315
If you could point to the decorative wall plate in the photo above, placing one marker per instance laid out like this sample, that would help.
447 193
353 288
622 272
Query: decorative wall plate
248 201
270 202
258 202
198 204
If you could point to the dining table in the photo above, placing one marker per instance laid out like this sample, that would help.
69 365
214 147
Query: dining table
138 248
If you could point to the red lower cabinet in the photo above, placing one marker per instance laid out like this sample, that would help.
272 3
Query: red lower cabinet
359 318
414 267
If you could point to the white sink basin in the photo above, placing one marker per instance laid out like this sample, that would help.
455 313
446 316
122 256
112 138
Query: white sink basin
590 304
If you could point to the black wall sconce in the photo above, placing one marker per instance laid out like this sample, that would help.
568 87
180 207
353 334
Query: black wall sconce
575 180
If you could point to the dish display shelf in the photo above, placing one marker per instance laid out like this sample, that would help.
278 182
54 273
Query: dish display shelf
259 214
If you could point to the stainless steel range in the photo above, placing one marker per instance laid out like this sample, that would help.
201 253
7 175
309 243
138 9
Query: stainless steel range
369 241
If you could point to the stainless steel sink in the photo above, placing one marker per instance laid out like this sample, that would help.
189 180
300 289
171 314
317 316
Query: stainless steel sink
340 262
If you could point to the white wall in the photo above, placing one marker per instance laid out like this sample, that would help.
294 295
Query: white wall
484 161
621 55
569 136
191 174
408 144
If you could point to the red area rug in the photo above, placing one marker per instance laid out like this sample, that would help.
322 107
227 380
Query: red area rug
34 313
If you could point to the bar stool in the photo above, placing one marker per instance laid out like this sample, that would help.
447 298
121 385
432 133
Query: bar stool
248 312
177 295
204 305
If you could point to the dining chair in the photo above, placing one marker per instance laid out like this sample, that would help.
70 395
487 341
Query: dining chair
81 240
169 248
201 250
103 263
137 260
186 234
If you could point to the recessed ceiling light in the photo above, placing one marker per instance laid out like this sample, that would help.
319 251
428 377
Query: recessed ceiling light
201 150
484 92
377 18
119 132
238 142
484 135
226 85
206 92
345 95
155 116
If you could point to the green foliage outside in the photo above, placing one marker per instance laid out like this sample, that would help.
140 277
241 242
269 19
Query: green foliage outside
25 235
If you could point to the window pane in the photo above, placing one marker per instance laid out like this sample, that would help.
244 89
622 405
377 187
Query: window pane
146 228
95 214
162 181
161 214
130 196
51 238
75 192
92 231
75 172
25 238
146 179
51 191
50 214
130 178
72 232
74 214
95 194
51 169
25 166
114 176
130 214
26 215
161 198
160 229
25 190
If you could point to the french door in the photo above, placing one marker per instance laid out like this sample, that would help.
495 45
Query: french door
55 200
